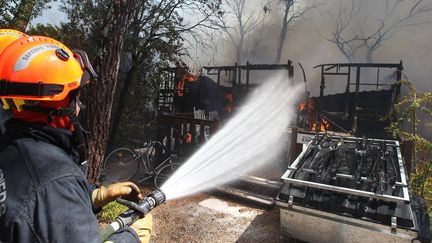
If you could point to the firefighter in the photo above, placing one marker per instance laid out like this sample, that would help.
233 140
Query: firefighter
44 195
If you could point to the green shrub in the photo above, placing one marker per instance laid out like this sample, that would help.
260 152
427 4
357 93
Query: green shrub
421 184
409 109
111 211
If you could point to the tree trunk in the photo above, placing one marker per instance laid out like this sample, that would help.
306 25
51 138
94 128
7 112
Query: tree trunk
23 15
239 49
101 93
284 30
129 80
369 55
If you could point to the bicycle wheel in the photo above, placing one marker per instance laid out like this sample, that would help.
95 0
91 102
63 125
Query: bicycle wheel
120 165
164 173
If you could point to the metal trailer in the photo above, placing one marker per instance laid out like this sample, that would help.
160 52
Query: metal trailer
313 225
306 221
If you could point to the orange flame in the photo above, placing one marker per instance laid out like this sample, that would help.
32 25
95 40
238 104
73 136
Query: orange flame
188 138
229 99
302 106
309 108
310 105
324 126
186 77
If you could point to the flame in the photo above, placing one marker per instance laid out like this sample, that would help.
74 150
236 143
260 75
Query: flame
308 107
310 104
229 99
324 126
188 138
180 87
302 106
184 77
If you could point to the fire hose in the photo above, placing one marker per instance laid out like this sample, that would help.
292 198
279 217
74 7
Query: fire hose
136 211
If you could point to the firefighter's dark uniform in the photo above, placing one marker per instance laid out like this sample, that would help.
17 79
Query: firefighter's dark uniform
44 195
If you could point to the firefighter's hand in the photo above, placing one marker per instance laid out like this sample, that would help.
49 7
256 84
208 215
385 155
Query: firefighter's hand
143 227
127 190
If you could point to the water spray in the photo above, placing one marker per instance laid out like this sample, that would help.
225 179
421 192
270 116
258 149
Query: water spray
136 211
252 138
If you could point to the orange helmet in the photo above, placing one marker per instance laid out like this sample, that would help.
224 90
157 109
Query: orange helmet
39 68
41 76
7 36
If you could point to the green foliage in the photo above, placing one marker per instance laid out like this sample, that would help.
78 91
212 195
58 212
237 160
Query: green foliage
7 10
111 211
409 109
154 40
421 183
65 33
17 14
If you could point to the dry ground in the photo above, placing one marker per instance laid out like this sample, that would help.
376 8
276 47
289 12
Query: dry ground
214 218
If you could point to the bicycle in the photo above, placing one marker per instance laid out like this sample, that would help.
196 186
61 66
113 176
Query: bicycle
123 164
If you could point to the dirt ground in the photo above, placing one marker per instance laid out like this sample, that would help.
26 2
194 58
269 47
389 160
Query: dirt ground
211 217
216 217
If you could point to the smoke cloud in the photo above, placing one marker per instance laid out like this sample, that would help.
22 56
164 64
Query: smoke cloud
306 43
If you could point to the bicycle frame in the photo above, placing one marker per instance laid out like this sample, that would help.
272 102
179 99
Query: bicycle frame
150 170
147 157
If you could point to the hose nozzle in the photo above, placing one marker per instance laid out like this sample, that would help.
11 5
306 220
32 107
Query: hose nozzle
158 196
136 211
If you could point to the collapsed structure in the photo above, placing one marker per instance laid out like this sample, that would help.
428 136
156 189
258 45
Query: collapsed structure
345 177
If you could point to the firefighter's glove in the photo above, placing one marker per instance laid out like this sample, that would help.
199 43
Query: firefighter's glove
143 227
127 190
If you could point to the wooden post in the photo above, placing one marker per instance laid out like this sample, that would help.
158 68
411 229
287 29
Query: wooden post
247 75
407 155
214 126
293 146
202 138
290 72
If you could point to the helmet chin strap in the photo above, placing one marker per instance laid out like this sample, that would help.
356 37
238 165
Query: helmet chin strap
80 135
80 139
